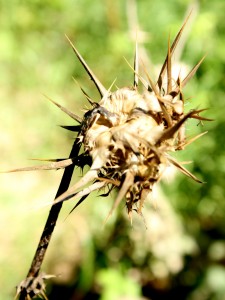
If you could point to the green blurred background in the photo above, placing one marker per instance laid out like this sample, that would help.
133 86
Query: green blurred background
181 254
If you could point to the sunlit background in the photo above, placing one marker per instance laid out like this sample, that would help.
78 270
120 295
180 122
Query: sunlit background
177 249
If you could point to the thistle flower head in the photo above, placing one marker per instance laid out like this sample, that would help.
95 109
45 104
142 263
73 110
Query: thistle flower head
127 138
128 135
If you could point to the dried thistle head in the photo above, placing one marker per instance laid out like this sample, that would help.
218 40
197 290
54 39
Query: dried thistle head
128 135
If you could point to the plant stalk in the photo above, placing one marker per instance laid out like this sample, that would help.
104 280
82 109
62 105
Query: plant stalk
49 225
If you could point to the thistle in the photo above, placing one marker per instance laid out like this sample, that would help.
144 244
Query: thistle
128 135
127 139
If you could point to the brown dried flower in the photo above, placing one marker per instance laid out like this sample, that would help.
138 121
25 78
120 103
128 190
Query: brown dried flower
127 138
128 135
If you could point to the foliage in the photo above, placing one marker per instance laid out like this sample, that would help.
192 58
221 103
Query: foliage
181 255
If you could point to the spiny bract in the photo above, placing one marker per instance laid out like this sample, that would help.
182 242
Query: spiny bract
128 135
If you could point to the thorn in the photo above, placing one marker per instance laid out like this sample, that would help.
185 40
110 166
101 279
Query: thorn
192 72
92 174
169 70
183 170
77 204
72 191
152 85
163 108
129 180
83 91
136 64
97 83
105 97
83 194
144 82
168 133
53 165
172 49
193 139
65 110
71 128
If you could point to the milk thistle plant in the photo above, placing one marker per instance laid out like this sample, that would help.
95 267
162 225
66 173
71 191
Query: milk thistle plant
127 139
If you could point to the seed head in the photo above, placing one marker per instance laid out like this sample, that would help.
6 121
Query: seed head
128 135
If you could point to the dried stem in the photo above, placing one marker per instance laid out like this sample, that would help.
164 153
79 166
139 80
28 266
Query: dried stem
50 224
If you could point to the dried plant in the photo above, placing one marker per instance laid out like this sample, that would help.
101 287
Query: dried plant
127 139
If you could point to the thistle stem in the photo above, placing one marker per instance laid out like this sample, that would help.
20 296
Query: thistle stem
51 222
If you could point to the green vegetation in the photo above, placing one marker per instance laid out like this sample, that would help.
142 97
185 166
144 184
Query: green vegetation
181 254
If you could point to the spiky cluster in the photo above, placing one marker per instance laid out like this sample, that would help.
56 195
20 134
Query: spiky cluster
128 135
33 286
